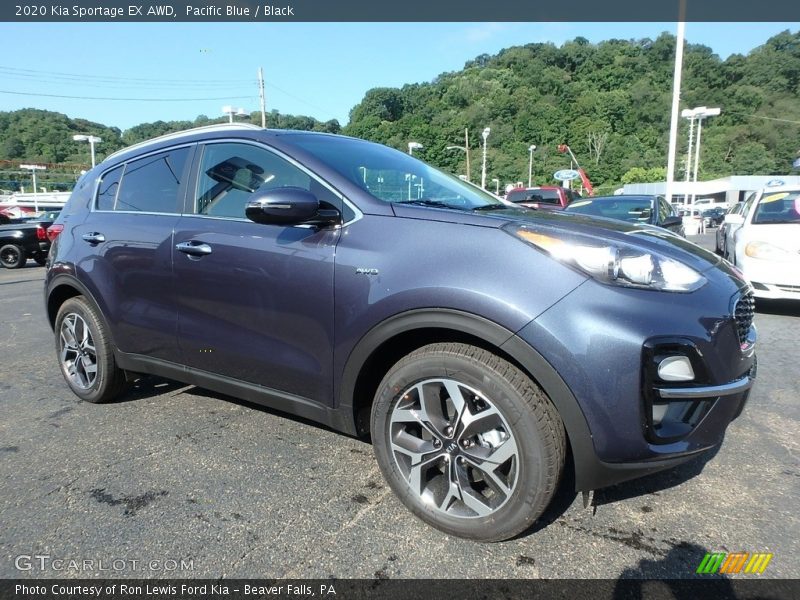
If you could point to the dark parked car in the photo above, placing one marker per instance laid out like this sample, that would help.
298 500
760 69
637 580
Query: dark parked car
648 210
553 197
713 217
22 240
349 283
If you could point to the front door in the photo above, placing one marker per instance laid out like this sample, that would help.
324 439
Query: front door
255 302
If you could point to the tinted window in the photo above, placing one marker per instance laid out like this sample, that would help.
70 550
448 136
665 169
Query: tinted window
534 195
230 173
664 210
634 210
782 207
107 193
151 184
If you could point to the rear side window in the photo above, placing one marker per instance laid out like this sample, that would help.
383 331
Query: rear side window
107 192
150 184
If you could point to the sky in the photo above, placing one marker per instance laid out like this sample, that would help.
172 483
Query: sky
131 73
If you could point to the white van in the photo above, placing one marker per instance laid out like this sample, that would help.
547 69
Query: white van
705 203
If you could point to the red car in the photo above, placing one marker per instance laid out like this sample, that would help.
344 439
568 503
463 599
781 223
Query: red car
551 197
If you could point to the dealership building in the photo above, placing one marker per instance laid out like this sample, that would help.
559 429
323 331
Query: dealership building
728 189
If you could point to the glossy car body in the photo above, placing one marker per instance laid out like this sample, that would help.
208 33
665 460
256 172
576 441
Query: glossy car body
546 197
649 210
766 242
308 317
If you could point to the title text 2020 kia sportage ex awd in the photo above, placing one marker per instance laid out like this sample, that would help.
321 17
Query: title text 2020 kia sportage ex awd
476 342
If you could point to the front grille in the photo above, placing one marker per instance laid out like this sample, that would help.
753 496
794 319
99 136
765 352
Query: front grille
743 313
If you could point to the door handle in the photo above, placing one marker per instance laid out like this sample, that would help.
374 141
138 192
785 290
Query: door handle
194 248
94 237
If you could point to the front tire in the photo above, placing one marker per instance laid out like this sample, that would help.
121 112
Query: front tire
85 353
12 256
467 441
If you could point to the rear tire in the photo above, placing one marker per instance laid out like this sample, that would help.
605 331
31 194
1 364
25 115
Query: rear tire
12 256
468 442
40 258
85 354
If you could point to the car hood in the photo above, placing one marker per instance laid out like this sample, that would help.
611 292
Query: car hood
648 237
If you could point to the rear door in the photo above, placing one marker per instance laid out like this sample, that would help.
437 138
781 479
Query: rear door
255 302
127 262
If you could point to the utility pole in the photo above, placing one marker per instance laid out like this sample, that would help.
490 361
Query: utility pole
466 149
261 95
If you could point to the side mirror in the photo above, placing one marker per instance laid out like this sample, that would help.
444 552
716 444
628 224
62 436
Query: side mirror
671 222
289 206
735 219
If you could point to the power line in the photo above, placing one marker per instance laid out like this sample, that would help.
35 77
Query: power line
126 99
120 84
765 118
84 77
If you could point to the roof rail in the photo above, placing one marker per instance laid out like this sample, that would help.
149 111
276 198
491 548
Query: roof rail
178 134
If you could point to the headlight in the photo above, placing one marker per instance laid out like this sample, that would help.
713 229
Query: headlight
614 263
766 251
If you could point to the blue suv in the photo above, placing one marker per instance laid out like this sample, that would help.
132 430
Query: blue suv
477 343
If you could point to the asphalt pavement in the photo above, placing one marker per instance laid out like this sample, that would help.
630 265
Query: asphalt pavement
177 481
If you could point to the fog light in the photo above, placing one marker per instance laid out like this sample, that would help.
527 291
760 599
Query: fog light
659 410
676 368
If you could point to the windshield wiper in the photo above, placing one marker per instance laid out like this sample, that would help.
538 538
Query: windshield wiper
429 202
492 207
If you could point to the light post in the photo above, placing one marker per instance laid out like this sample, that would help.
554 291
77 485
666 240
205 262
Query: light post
695 114
496 183
700 113
485 136
230 111
531 148
92 139
33 169
364 175
466 150
414 146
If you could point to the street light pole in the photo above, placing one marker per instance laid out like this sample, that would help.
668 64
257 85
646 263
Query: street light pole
33 169
531 148
465 149
496 186
700 113
92 139
688 114
485 135
230 111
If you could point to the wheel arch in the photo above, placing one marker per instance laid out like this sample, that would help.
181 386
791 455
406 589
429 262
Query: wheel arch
61 289
392 339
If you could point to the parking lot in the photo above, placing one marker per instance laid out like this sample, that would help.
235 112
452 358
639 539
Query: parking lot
178 481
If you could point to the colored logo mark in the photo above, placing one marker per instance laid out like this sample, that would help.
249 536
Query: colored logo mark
735 562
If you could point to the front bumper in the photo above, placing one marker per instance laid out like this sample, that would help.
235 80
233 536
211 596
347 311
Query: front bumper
772 279
602 341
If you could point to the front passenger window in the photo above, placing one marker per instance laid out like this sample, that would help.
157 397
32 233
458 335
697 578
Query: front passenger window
229 174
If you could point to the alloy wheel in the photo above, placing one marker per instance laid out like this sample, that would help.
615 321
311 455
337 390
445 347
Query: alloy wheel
454 448
77 351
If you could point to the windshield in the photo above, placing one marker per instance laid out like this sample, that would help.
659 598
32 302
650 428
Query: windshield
633 210
782 207
393 176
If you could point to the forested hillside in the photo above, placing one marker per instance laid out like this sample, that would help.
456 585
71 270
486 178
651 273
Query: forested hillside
609 101
41 136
